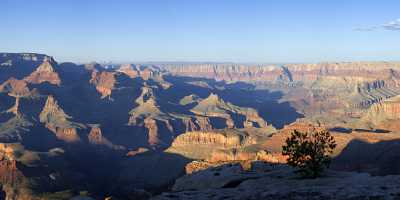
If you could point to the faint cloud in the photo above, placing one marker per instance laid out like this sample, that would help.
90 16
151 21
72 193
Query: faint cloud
391 26
373 28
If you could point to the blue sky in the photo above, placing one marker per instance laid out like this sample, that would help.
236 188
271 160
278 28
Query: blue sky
203 30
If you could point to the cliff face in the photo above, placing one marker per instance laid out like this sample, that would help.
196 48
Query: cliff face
384 114
213 106
230 72
288 73
45 73
148 115
208 138
96 137
14 183
221 145
104 82
58 122
388 109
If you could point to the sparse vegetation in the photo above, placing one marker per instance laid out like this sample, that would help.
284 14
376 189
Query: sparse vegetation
309 151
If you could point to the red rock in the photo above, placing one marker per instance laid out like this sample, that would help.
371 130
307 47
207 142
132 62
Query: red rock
104 82
44 73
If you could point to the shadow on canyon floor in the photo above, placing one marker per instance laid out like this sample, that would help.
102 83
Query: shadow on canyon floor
381 158
349 130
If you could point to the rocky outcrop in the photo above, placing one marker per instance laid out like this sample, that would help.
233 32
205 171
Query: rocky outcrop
148 115
58 122
385 110
146 73
138 151
10 176
189 100
45 73
213 106
66 134
96 137
209 138
242 154
152 128
265 181
147 108
15 88
104 82
219 145
129 70
203 123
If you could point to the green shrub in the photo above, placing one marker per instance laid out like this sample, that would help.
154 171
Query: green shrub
309 151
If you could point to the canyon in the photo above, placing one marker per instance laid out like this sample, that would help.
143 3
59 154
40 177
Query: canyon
136 130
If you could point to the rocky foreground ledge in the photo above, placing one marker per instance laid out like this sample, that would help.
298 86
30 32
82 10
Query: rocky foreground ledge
272 181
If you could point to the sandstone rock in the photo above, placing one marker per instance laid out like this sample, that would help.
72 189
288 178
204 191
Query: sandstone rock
213 106
45 73
104 82
64 133
214 146
96 137
140 150
189 100
203 123
386 110
58 122
152 128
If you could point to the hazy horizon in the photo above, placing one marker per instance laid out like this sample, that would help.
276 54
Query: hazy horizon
205 31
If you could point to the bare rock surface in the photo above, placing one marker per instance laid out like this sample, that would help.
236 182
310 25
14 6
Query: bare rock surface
265 181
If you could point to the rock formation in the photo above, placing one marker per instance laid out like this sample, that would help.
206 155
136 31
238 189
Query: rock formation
15 88
189 100
148 115
385 110
45 73
128 70
58 122
139 150
213 106
266 181
104 82
96 137
220 145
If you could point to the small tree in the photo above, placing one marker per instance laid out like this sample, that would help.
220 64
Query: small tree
309 151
